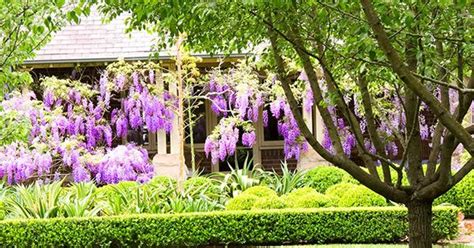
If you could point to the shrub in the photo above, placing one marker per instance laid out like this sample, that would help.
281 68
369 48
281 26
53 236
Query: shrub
347 178
271 202
289 226
306 198
260 191
204 185
241 202
340 189
461 195
360 196
323 177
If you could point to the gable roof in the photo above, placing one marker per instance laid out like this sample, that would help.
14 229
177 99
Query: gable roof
94 41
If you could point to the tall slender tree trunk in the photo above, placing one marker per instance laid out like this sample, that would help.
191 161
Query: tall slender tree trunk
419 227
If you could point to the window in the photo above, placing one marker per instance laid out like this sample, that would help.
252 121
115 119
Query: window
199 128
270 132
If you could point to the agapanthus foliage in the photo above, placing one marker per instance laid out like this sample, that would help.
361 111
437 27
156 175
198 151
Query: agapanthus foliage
71 131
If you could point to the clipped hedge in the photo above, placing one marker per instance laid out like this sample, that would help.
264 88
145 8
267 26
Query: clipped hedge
461 195
345 225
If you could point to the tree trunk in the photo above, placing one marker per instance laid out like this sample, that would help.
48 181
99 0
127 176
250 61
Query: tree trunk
419 224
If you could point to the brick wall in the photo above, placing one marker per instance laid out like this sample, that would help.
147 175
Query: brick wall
271 159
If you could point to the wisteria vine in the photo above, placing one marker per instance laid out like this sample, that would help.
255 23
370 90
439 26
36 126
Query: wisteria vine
73 127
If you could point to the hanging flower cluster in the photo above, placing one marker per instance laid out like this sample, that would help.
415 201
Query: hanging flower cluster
19 164
71 133
143 106
388 109
224 138
238 94
123 163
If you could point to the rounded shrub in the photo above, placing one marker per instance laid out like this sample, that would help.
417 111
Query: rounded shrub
340 189
323 177
241 202
461 195
271 202
360 196
347 178
306 198
260 191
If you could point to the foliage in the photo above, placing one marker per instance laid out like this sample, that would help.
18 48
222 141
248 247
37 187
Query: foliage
260 191
269 202
79 201
238 179
346 225
307 198
338 190
286 182
35 201
461 195
163 181
25 27
204 185
360 196
323 177
241 202
15 127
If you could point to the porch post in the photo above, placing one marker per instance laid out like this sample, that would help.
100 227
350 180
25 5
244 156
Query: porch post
311 158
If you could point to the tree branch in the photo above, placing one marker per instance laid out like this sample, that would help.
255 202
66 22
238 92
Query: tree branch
404 73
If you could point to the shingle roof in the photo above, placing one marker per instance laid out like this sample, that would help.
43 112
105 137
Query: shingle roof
93 40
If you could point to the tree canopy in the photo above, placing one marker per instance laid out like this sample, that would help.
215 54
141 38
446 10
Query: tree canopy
390 60
26 26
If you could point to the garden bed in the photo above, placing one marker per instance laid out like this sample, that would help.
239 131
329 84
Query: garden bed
286 226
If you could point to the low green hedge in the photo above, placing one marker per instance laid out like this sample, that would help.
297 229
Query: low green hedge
461 195
343 225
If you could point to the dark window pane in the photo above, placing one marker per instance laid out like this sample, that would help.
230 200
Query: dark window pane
270 132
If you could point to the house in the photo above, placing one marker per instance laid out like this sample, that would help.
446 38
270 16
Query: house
82 50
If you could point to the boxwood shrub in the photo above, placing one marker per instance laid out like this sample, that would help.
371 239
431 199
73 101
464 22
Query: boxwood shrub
307 197
344 225
352 195
323 177
461 195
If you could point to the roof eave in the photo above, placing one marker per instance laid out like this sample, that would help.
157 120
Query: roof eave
51 63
